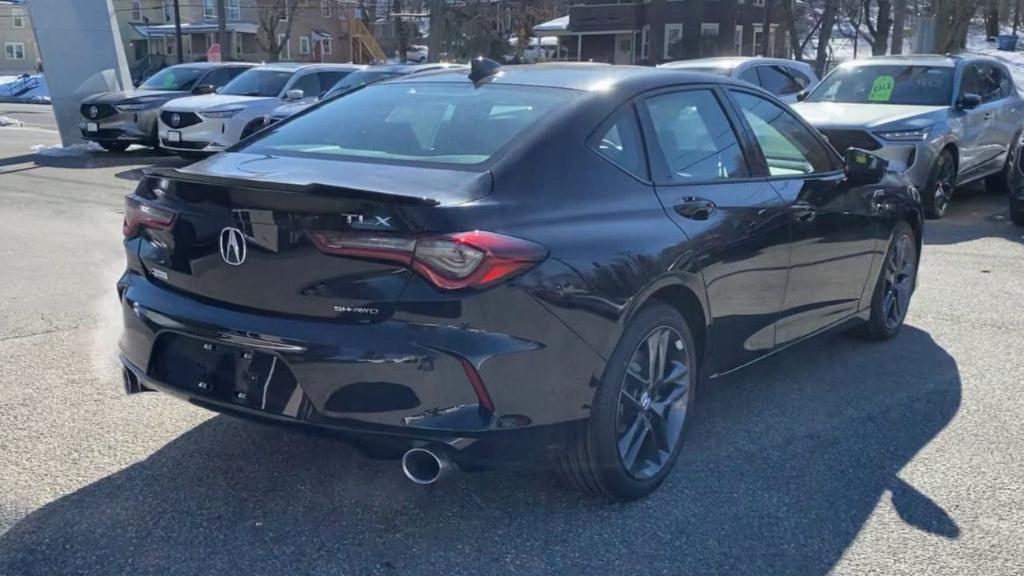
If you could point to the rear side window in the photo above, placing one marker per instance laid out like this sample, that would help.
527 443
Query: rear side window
750 75
329 79
622 144
409 122
222 76
789 148
694 137
777 81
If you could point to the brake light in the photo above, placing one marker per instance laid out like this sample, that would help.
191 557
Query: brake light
139 214
451 262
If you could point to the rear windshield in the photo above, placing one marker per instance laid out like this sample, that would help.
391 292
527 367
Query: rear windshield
910 85
266 83
174 79
428 122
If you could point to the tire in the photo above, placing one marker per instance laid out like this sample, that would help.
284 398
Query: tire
1000 183
896 281
940 186
115 146
154 139
196 156
591 459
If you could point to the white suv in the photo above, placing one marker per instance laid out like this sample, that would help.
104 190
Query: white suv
202 125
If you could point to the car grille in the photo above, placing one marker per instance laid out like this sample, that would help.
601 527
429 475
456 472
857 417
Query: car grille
183 145
185 119
101 111
842 140
103 134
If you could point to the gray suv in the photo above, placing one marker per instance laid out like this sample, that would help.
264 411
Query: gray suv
943 121
116 120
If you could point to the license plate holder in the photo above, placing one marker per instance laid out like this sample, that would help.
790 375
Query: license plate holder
174 136
92 127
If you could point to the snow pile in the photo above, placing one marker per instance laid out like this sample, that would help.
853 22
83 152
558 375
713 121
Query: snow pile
75 150
8 121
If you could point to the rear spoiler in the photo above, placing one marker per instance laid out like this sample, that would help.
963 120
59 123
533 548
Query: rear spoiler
313 188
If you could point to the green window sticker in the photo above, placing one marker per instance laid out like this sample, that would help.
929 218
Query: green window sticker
881 90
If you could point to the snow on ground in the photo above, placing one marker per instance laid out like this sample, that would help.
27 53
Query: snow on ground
8 121
39 94
57 150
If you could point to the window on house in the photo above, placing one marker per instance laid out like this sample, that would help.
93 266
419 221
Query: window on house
738 40
18 17
673 41
168 7
325 46
136 11
709 39
14 50
645 41
304 45
758 34
234 9
325 8
209 9
758 2
284 50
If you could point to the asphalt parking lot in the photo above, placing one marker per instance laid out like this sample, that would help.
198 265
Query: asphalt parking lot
839 456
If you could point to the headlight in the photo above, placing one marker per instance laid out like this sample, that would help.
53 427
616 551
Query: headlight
221 113
917 135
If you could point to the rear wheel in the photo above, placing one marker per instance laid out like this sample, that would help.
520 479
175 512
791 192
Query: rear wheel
115 146
640 411
940 186
895 285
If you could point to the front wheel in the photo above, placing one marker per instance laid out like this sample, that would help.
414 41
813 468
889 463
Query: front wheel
940 186
640 410
895 285
115 146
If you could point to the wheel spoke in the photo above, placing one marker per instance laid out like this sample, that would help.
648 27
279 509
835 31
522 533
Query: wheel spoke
633 440
890 297
631 401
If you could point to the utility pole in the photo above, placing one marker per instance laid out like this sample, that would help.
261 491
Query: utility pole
177 33
766 29
223 38
856 31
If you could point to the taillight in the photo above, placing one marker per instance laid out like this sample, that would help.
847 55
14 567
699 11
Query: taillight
452 262
139 214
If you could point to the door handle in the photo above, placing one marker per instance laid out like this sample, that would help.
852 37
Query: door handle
804 212
695 208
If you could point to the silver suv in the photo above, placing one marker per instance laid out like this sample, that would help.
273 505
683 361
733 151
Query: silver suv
116 120
943 121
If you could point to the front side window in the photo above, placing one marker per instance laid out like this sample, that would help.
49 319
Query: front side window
407 122
222 76
266 83
309 84
175 79
889 84
789 147
984 80
622 144
694 137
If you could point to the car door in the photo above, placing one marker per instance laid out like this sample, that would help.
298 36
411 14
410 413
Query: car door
976 122
997 129
834 225
736 223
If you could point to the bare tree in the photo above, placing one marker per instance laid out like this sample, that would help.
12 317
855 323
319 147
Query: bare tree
274 27
898 25
880 29
789 21
951 20
828 21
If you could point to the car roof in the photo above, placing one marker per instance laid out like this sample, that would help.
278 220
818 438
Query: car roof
413 68
730 62
204 65
907 59
582 76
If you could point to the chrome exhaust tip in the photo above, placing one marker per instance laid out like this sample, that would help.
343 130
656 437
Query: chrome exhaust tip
425 466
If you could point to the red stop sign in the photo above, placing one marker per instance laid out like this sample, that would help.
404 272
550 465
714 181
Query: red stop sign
213 54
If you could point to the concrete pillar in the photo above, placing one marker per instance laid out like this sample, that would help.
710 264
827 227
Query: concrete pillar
81 50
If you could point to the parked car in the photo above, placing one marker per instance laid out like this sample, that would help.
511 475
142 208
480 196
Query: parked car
1017 184
783 78
942 120
116 120
417 54
195 127
357 80
443 264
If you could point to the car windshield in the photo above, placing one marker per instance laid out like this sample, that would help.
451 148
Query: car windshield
897 84
173 79
258 83
428 122
360 79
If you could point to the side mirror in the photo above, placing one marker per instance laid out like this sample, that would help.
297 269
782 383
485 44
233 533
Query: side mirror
205 89
293 95
864 168
968 102
802 95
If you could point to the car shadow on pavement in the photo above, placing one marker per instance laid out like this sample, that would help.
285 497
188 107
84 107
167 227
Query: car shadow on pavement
784 464
93 159
974 214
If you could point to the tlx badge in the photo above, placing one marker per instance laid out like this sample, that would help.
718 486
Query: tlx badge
374 221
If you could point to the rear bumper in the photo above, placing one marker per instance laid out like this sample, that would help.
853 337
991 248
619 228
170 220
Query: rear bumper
397 377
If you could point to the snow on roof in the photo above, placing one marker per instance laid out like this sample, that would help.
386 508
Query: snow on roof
191 28
559 24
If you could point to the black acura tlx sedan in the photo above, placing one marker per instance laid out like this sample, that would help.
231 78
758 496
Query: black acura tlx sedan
547 257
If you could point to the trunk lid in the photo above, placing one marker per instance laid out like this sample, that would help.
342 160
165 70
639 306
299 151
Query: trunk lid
246 224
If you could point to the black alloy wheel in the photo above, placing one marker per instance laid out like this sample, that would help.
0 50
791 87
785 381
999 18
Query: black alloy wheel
895 286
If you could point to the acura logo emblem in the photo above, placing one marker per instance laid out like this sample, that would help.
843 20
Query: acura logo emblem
232 246
175 119
93 111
